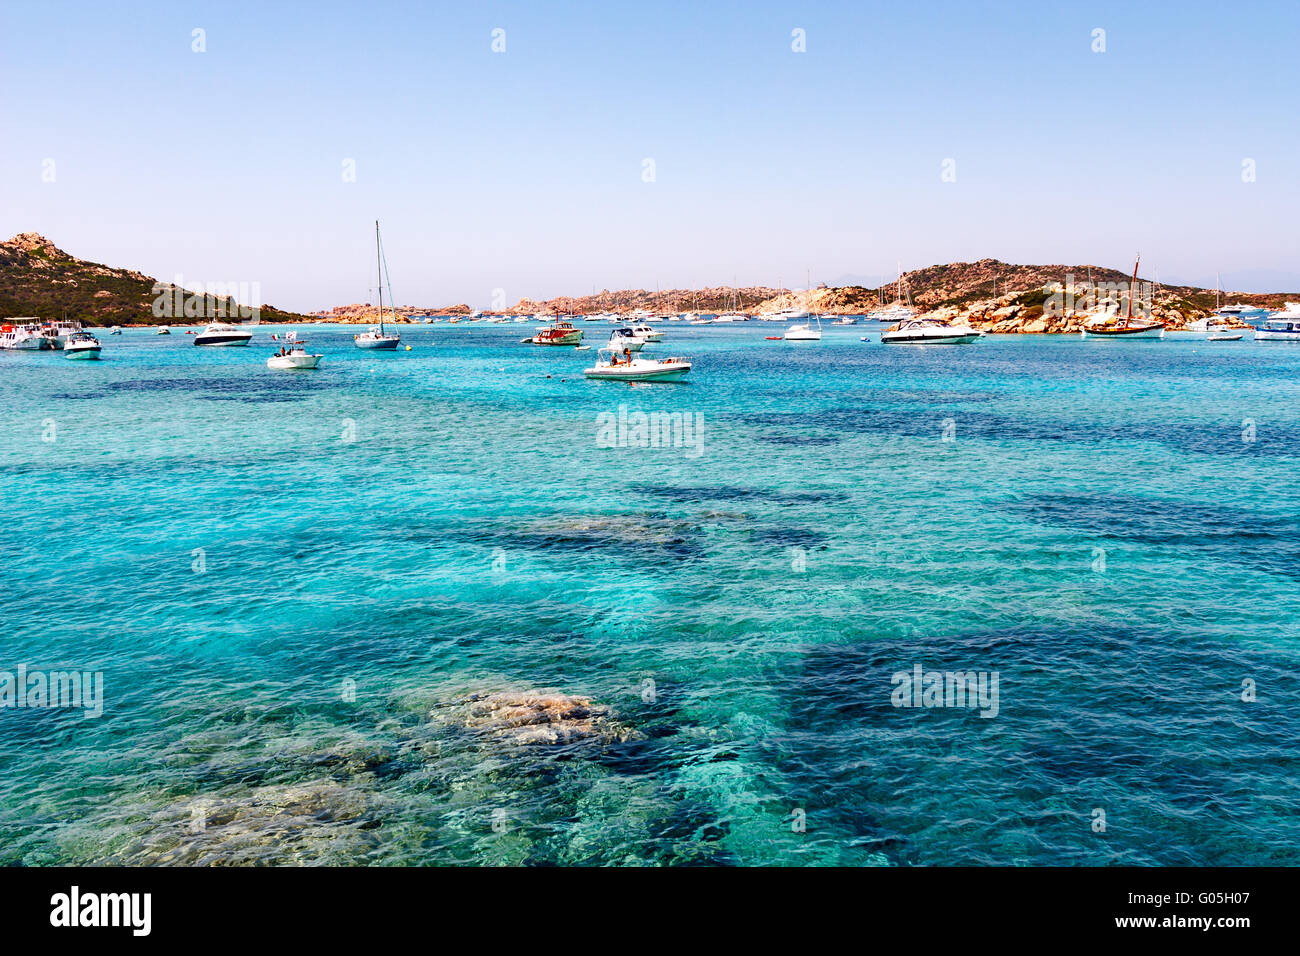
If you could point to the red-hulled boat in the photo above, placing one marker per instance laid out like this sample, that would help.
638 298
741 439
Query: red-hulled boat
559 332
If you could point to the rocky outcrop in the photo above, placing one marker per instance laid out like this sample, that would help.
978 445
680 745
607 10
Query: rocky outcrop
524 718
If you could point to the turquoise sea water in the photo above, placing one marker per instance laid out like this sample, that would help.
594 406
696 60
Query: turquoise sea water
293 581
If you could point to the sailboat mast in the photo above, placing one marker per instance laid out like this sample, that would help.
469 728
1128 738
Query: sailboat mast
379 273
1132 286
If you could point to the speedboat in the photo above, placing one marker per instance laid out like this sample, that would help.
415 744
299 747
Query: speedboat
1226 335
377 337
1240 308
164 330
223 333
648 334
626 340
1281 326
115 330
639 369
845 320
804 332
923 331
81 345
559 332
295 356
21 337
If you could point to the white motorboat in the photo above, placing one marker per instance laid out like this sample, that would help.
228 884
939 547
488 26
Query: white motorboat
648 334
223 333
804 332
293 356
60 330
731 317
923 331
1281 326
626 340
115 330
21 338
1240 308
846 320
164 330
81 345
1226 335
377 338
609 366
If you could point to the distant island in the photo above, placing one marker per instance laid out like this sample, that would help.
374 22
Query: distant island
39 279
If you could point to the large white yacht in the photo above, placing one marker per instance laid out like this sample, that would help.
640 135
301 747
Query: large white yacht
223 333
923 331
21 337
1283 326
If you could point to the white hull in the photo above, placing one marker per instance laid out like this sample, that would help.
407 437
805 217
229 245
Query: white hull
962 338
290 362
640 371
223 335
1272 335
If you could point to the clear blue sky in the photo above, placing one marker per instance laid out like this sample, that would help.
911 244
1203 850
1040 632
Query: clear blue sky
522 170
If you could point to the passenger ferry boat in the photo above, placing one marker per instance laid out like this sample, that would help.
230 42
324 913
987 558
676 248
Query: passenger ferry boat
22 337
1281 326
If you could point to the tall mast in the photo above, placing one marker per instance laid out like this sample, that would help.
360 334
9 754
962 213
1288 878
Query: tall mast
1132 286
379 273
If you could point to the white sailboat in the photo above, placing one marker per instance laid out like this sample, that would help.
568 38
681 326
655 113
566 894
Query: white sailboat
376 337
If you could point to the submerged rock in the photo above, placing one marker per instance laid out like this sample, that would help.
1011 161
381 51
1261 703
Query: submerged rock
529 718
317 821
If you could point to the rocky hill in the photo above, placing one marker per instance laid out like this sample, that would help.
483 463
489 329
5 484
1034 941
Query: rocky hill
989 294
39 279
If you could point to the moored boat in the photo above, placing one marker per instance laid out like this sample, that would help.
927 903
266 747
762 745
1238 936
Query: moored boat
559 332
923 331
81 345
626 340
1125 327
223 333
377 338
21 338
637 368
1281 326
294 356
